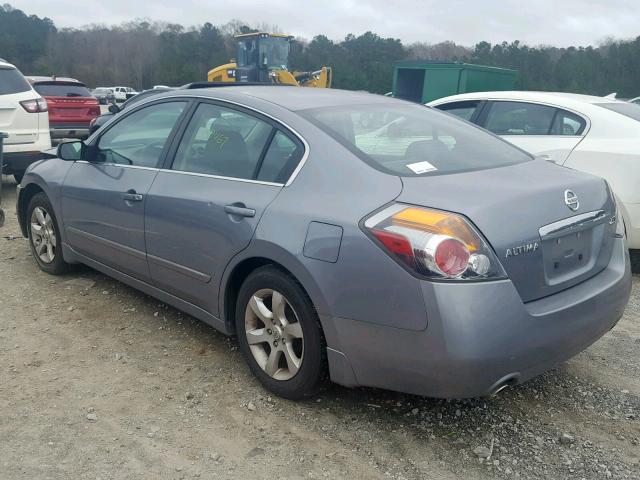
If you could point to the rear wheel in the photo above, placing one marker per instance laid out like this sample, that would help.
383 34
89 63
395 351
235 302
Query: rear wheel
44 236
279 334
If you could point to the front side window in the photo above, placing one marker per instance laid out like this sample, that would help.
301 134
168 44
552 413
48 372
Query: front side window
519 118
413 139
139 139
464 110
12 81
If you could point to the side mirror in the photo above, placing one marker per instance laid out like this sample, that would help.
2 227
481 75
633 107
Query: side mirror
113 108
70 151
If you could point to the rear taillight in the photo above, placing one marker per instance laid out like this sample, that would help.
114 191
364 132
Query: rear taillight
94 111
37 105
433 243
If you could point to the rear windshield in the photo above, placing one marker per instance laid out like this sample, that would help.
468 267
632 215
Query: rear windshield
412 140
12 81
62 90
630 110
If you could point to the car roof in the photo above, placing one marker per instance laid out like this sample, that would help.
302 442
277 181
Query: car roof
544 97
289 97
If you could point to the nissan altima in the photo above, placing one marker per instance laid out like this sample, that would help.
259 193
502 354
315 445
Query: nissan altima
339 235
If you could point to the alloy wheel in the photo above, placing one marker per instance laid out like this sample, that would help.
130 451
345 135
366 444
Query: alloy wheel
274 334
43 235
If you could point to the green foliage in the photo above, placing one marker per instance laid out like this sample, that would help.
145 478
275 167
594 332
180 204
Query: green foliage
143 54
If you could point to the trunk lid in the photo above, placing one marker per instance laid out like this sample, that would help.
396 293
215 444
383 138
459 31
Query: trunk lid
543 244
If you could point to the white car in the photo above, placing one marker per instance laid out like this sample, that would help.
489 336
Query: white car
23 115
123 93
597 135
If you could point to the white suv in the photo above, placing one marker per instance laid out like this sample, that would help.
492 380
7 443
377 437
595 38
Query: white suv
23 115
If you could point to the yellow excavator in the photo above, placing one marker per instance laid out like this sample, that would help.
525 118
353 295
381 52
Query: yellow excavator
264 58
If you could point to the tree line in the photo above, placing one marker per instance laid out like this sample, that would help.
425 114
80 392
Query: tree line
143 53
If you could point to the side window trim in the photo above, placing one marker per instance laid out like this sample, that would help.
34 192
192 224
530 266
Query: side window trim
169 158
176 128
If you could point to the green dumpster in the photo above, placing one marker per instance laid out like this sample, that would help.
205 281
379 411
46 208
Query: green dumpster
423 81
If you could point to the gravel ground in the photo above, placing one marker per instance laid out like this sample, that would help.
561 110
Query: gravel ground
98 381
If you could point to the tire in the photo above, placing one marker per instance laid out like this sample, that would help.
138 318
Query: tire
289 360
46 247
18 176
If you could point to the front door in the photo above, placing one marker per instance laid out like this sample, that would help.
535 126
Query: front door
103 200
204 208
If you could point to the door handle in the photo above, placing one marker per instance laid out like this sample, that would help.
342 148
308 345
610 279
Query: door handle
239 210
132 197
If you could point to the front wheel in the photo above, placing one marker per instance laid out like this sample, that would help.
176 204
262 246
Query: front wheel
44 236
279 334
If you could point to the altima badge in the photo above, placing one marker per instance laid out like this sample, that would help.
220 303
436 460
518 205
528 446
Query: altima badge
526 248
571 200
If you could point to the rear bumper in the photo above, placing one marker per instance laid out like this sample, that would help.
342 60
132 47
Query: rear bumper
480 335
70 130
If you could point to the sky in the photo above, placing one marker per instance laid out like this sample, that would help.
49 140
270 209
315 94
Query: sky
535 22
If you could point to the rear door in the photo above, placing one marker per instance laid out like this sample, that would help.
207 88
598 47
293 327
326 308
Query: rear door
15 120
542 130
203 208
103 200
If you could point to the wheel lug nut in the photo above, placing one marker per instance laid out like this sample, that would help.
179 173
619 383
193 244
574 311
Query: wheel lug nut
269 331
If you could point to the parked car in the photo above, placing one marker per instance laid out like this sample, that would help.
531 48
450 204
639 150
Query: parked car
123 93
435 259
104 96
23 115
114 109
635 100
597 135
71 105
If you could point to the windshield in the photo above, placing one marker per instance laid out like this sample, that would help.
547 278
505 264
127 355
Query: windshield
412 140
62 89
630 110
12 81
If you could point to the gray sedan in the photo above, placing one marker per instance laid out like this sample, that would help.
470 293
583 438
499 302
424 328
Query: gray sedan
339 235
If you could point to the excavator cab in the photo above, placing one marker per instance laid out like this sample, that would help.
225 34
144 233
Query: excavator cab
264 58
261 54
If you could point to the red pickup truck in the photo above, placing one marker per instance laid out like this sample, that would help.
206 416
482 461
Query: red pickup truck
71 105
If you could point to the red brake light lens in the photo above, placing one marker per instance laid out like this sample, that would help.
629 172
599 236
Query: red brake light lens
433 243
37 105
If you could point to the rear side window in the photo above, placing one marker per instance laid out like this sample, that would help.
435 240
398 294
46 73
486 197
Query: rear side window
281 158
519 118
464 110
413 140
567 123
61 90
224 142
12 81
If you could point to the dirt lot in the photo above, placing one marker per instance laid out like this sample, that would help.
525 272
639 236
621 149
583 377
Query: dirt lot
98 381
